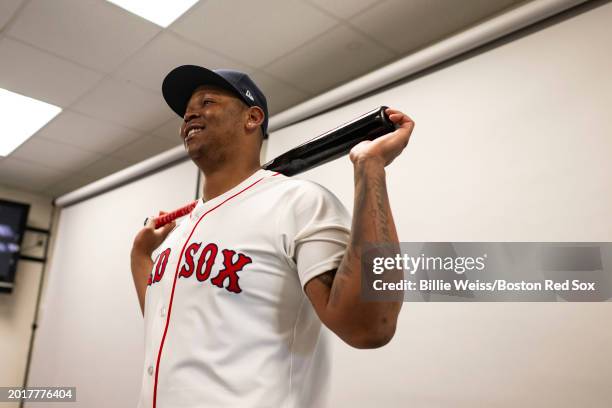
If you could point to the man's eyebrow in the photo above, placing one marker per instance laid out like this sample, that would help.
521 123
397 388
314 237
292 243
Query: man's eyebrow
206 91
205 94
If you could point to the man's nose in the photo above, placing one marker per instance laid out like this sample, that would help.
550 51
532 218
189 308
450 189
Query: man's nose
190 115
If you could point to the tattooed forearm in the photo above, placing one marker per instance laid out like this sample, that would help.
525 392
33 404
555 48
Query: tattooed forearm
372 224
371 199
359 207
381 207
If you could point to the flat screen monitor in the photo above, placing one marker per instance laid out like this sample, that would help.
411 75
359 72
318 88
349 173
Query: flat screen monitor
13 218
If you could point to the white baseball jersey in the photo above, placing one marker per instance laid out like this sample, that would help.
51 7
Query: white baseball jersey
227 323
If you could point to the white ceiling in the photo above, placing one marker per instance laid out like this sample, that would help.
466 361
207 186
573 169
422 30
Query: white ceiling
104 67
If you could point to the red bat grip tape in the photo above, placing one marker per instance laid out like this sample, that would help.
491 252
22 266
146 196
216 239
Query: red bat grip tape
171 216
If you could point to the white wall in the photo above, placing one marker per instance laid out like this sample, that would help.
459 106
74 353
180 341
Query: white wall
17 308
511 145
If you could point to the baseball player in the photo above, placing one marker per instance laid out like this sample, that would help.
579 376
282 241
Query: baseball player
234 294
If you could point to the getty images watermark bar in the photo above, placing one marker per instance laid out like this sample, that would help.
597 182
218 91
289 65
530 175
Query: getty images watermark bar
488 272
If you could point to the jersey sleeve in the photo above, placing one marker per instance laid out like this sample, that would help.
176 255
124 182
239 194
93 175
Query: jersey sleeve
314 230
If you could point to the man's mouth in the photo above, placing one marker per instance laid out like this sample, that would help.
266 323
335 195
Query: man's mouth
193 131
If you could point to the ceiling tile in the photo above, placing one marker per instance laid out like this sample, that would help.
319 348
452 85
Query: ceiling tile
105 166
125 104
68 184
94 33
25 175
144 148
149 66
279 95
170 130
54 154
406 26
349 52
254 35
344 8
37 74
87 133
7 8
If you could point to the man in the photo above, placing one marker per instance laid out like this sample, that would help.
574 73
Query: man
234 295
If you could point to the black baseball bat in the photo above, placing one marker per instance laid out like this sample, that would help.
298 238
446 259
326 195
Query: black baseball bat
332 144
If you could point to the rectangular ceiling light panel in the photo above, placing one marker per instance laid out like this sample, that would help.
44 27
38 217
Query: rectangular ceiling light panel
160 12
21 118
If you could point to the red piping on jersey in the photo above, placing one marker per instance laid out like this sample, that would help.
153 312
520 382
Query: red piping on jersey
178 264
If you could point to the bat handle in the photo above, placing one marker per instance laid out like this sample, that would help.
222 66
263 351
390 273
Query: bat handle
171 216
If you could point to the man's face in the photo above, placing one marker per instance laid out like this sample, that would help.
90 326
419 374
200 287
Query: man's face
212 123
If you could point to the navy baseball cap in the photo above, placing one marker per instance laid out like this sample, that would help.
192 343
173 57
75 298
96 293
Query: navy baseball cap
179 84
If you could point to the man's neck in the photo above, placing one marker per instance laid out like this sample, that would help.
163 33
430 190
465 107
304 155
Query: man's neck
223 179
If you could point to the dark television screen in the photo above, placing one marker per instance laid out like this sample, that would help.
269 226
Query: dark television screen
13 217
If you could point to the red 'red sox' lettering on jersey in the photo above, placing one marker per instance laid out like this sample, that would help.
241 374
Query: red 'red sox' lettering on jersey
159 267
202 262
231 270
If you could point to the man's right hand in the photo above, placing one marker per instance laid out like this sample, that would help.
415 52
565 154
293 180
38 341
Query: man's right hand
149 238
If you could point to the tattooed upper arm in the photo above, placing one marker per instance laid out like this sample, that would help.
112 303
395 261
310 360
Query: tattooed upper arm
318 290
327 278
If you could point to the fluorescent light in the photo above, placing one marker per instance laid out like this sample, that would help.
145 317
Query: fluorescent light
21 118
160 12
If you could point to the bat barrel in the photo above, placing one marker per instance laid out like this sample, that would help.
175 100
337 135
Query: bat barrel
332 144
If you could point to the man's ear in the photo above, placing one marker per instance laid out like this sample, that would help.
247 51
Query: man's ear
255 117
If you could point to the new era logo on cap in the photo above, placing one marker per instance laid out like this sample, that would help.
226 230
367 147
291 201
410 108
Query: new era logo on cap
248 95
